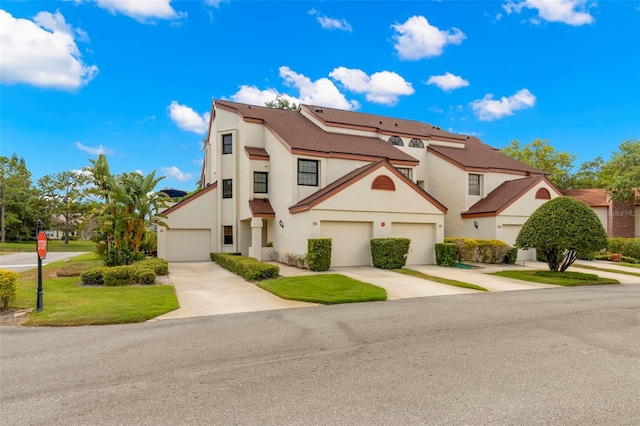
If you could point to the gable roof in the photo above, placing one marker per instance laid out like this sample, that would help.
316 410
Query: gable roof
192 197
596 197
479 156
352 177
302 136
380 123
261 207
505 195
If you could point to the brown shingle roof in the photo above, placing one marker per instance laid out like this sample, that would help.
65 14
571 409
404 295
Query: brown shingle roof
261 208
591 197
346 180
253 151
501 197
380 123
477 155
300 134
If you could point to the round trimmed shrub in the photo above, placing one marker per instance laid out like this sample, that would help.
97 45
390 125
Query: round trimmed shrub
145 276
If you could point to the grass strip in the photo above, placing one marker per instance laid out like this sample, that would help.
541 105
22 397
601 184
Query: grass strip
615 271
557 278
67 303
440 280
327 289
52 246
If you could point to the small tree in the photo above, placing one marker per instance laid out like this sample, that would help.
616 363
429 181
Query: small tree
561 228
281 102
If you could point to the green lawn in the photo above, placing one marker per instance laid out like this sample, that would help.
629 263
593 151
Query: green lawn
558 278
327 289
53 246
440 280
67 303
616 271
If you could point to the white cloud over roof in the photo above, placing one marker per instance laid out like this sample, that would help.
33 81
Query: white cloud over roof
141 10
417 38
93 150
42 52
175 173
331 23
572 12
321 92
488 109
254 96
188 119
382 87
448 81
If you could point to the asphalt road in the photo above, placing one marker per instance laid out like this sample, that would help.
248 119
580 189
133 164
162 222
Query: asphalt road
565 356
20 262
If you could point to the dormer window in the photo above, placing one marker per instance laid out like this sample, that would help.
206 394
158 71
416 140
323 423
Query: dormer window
396 140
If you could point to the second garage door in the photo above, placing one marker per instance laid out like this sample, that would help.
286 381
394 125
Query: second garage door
509 235
350 242
188 244
422 238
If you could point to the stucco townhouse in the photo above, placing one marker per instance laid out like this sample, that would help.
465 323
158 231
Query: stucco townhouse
272 179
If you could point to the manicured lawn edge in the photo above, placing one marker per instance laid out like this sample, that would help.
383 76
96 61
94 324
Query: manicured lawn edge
440 280
527 275
615 271
326 289
52 246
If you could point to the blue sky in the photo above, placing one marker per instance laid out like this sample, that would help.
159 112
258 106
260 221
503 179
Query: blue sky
134 79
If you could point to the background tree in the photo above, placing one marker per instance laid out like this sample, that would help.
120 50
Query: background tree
280 102
19 201
620 176
64 194
560 229
543 156
587 175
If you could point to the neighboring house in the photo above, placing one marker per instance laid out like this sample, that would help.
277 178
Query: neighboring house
273 178
57 228
619 219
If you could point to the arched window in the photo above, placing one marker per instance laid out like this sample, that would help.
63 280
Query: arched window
416 143
543 194
383 182
395 140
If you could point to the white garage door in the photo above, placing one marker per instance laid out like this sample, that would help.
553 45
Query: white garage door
188 244
509 235
350 242
422 238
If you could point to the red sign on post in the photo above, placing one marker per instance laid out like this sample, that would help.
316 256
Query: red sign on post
42 245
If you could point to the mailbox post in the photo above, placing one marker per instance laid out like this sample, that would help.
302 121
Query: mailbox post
41 248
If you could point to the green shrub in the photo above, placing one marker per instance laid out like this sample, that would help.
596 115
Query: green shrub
446 254
159 266
568 274
629 247
118 275
94 276
616 245
295 260
629 259
479 250
589 255
467 248
511 256
8 288
247 267
319 254
389 253
144 276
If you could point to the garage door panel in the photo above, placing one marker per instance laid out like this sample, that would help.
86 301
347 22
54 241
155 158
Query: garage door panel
422 238
188 244
350 242
509 235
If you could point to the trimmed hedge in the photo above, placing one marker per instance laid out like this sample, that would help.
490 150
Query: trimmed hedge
8 288
319 254
389 253
480 250
247 267
158 266
118 275
94 276
144 276
446 254
511 256
137 273
628 247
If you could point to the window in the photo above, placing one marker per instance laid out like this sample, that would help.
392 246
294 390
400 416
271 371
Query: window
260 183
474 184
227 188
416 143
543 194
228 234
405 171
396 140
227 144
308 172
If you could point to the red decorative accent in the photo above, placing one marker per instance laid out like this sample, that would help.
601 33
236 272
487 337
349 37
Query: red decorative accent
543 194
382 223
42 245
384 183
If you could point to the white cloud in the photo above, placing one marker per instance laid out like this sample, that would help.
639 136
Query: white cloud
417 39
215 3
141 10
42 52
93 150
488 109
448 81
331 23
176 173
572 12
381 87
321 92
254 96
187 119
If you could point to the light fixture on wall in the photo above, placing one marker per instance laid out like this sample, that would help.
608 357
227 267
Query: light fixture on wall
475 223
281 224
